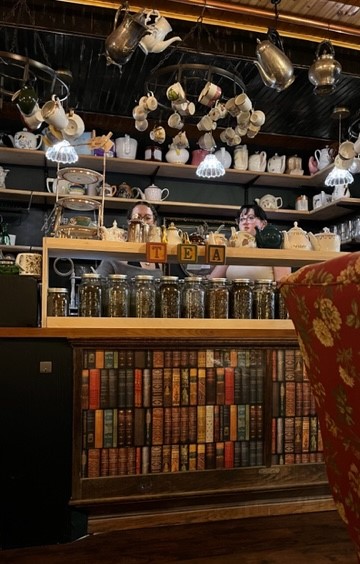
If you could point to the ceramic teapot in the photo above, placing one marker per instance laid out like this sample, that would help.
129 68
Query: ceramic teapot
296 238
269 237
275 68
269 202
241 239
323 157
325 241
257 162
277 164
176 155
113 233
3 173
241 157
293 163
154 42
174 236
122 42
325 72
27 140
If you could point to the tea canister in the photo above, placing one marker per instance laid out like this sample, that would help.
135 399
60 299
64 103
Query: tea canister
58 302
281 311
144 296
117 296
302 203
90 295
193 298
241 298
264 299
217 299
169 296
153 153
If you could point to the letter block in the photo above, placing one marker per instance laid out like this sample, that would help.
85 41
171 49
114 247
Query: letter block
187 253
215 254
156 252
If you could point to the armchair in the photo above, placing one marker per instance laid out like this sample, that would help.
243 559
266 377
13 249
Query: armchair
323 301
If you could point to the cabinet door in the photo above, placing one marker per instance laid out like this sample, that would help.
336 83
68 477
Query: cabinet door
35 428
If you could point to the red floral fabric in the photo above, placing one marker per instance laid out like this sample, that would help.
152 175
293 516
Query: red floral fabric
323 301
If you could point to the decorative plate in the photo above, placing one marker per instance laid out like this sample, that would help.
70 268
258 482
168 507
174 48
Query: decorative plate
79 203
80 175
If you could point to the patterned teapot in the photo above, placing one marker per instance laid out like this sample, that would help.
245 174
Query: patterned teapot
296 238
277 164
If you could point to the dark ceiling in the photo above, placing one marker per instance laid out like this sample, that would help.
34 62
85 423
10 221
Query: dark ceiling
65 36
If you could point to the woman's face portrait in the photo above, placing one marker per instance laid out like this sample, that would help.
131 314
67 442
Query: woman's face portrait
248 221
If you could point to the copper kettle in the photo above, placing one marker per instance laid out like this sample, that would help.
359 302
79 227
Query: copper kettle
122 42
324 73
275 68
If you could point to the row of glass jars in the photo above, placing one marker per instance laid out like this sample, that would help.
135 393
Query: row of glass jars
193 297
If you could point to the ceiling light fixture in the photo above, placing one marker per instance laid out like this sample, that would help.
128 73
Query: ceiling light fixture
62 153
339 176
210 167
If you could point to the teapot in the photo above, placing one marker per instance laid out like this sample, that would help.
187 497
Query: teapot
27 140
113 233
277 164
154 43
3 173
125 191
123 40
216 238
174 235
296 238
324 73
224 157
325 241
323 157
153 193
293 164
241 239
269 237
269 202
241 157
176 155
275 69
257 162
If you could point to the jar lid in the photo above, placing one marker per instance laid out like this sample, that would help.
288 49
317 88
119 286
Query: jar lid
193 279
169 278
88 275
117 276
242 281
218 280
58 291
264 281
144 277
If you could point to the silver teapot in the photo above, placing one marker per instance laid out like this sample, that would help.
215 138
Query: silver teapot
275 68
122 42
324 73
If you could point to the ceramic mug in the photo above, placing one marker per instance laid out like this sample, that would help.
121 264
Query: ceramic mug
206 124
139 113
57 184
141 125
26 99
30 264
75 126
54 114
155 193
243 102
158 134
175 121
149 102
258 118
175 92
209 94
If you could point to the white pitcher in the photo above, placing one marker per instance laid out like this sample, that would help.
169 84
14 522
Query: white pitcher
126 147
257 162
241 157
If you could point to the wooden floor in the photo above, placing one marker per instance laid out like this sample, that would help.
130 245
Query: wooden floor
313 538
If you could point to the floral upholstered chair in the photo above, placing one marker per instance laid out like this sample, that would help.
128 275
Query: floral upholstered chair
323 301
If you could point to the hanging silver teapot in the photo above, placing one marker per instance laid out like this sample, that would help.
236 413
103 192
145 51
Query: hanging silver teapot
275 68
325 72
122 42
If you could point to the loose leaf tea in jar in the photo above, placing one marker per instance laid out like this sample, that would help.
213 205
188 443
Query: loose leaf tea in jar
217 299
90 295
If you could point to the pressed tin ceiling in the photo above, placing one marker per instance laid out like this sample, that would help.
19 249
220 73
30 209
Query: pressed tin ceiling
71 35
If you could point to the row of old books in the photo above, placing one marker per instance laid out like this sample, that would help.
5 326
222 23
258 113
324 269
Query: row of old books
99 462
127 388
296 440
186 358
110 428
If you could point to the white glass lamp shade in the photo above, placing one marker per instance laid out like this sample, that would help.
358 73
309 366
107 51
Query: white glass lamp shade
62 152
210 167
338 176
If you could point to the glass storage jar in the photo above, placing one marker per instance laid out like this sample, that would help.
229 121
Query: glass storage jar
193 297
117 297
169 296
90 295
144 296
241 298
264 299
281 311
217 299
58 302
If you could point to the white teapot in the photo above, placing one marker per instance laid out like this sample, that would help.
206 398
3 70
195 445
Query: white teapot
323 157
176 155
154 42
296 238
27 140
257 162
325 241
277 164
269 202
113 233
174 235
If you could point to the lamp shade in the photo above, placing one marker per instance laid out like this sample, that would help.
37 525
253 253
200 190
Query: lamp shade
62 152
210 167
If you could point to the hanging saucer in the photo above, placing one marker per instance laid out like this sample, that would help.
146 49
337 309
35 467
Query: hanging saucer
79 175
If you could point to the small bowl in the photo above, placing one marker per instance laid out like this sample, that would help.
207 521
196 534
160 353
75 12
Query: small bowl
82 220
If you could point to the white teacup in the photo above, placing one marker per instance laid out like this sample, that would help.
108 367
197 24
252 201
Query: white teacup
149 102
155 193
207 141
258 118
175 121
30 264
141 125
175 92
139 113
181 141
209 94
243 102
243 118
232 108
206 124
54 114
158 134
34 120
59 185
75 126
184 108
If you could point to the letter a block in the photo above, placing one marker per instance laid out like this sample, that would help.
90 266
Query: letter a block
215 254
